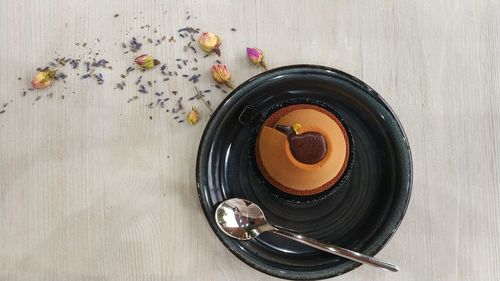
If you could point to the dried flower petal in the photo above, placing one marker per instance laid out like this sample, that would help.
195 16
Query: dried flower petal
192 117
43 79
210 42
146 61
222 75
296 127
256 56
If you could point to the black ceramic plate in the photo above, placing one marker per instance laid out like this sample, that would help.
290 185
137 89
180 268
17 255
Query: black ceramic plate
362 214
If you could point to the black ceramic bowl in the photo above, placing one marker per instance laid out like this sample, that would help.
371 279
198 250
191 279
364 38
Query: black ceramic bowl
363 212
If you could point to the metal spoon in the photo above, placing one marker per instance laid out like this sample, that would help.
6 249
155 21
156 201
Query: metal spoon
244 220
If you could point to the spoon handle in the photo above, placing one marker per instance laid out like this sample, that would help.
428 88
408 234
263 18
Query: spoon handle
339 251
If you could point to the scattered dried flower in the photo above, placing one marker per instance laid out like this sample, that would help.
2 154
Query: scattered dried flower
210 42
43 79
222 75
146 61
192 117
256 56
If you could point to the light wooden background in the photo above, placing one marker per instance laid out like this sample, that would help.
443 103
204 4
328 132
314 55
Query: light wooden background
87 191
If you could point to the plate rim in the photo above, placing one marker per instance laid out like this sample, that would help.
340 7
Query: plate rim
323 274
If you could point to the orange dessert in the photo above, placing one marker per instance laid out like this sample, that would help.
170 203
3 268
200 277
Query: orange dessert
302 149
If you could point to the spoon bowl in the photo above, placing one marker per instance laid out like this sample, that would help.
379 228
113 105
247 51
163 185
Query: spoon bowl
241 219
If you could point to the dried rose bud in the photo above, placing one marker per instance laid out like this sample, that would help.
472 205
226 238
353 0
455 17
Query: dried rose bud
221 74
192 117
210 42
146 61
256 56
43 79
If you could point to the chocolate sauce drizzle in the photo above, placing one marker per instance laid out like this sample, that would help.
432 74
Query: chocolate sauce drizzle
308 147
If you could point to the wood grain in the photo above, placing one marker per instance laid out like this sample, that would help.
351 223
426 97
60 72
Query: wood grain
92 189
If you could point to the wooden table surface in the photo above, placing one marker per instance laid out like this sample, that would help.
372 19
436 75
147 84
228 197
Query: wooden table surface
93 187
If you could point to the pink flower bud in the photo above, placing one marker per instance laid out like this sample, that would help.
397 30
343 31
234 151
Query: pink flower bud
256 56
210 42
222 75
146 61
43 79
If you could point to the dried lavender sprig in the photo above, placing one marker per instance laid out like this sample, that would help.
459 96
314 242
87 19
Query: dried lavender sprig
100 63
142 89
132 98
138 80
99 78
74 63
135 45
